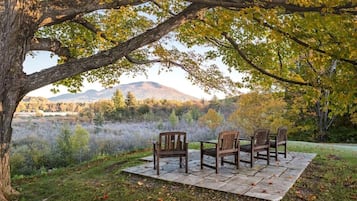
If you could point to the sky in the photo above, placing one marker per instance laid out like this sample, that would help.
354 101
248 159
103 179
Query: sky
175 79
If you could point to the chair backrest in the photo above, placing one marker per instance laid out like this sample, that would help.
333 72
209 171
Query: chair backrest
261 137
282 134
228 140
171 141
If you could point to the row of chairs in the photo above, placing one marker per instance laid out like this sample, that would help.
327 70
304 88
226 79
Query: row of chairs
174 144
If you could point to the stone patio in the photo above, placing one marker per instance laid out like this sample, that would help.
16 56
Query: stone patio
268 182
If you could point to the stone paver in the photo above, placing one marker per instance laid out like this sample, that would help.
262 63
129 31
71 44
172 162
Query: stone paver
268 182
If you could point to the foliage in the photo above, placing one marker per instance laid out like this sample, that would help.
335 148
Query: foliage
188 117
309 53
64 146
259 110
72 146
29 156
118 100
98 119
130 100
80 141
211 119
343 135
173 119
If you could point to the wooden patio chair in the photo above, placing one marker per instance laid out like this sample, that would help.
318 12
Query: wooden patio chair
170 144
227 145
259 142
280 139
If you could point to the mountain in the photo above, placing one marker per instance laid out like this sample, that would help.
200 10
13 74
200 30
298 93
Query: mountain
141 90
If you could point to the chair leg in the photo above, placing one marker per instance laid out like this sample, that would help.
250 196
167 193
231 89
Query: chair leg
186 162
158 165
216 164
276 153
268 156
222 159
237 159
285 150
154 160
251 158
180 162
201 155
154 154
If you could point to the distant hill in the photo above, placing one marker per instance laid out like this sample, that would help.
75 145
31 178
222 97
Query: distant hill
141 90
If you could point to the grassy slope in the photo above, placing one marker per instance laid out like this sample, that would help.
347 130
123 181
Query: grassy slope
331 176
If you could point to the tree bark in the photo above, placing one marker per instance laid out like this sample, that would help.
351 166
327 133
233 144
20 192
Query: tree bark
14 39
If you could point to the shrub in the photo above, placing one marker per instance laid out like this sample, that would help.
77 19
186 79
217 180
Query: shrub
342 134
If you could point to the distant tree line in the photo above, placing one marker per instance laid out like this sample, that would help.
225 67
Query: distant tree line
246 112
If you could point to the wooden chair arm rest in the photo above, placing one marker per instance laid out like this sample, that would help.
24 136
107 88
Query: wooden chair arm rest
208 142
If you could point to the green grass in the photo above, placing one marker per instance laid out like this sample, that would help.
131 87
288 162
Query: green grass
332 175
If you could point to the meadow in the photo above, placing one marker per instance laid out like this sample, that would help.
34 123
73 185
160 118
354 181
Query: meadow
332 175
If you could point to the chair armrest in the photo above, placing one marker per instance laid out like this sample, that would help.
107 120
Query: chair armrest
273 136
208 142
185 146
155 145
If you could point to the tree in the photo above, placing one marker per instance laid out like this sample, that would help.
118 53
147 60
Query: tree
64 145
118 100
212 119
314 51
101 40
79 141
173 118
130 100
131 103
259 110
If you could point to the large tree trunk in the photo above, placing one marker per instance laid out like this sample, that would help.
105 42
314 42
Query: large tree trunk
13 45
7 109
5 183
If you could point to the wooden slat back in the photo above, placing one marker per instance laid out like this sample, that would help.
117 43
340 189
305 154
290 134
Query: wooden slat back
282 134
171 141
227 140
261 137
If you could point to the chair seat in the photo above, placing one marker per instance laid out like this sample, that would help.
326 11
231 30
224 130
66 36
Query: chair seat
273 144
246 147
209 151
172 153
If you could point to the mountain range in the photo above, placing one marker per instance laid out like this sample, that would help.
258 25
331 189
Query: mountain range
141 90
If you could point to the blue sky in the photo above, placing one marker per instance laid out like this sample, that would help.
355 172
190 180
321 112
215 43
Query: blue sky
175 79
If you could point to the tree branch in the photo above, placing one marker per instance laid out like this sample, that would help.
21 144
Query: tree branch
348 7
245 58
92 28
158 5
106 57
51 45
57 11
302 43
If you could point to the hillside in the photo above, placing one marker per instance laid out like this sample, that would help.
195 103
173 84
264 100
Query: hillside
141 90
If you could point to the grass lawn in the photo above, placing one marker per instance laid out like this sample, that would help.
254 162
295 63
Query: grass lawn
332 175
